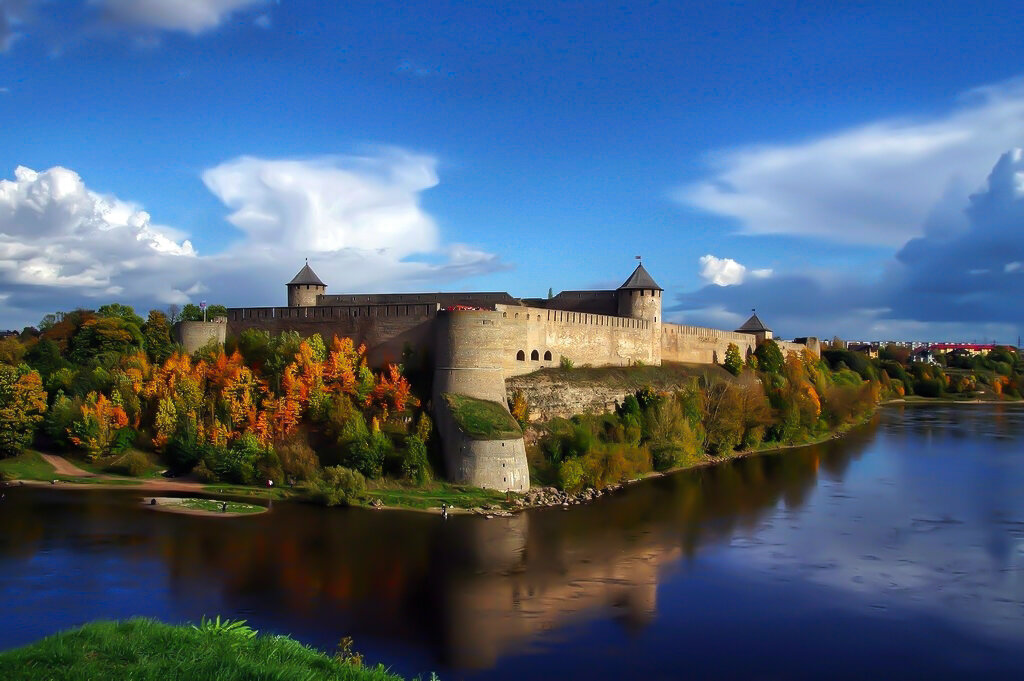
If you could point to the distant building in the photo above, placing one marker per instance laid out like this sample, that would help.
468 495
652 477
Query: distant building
962 348
922 355
869 349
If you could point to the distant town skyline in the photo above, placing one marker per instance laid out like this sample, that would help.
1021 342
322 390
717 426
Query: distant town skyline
846 171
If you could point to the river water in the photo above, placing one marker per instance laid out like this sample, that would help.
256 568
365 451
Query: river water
896 551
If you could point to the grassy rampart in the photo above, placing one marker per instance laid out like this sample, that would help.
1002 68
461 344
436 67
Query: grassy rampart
482 419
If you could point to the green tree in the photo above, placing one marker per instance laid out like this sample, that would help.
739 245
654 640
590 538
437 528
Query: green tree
157 333
119 311
193 313
733 361
105 335
769 357
22 404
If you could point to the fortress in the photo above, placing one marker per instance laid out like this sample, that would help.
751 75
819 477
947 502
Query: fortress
474 341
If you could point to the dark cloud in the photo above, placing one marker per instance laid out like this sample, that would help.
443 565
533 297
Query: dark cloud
961 279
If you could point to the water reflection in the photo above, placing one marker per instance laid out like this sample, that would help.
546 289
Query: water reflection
467 592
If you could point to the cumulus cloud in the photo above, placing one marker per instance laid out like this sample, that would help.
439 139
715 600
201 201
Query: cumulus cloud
358 219
726 271
189 16
882 183
958 280
327 204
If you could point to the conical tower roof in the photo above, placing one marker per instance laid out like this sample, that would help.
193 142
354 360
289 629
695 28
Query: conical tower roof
640 279
306 276
753 325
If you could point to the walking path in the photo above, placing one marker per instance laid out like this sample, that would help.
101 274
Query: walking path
62 466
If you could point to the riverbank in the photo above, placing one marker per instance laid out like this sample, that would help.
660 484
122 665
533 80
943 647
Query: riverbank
147 649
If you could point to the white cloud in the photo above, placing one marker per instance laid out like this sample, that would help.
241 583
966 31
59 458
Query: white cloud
727 272
327 204
950 283
189 16
358 219
879 183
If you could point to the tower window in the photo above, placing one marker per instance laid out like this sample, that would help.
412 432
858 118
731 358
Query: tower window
521 356
534 356
547 356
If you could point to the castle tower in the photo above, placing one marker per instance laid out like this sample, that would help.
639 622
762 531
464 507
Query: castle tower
305 287
639 297
755 327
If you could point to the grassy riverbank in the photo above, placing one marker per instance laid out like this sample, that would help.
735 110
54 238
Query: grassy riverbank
144 649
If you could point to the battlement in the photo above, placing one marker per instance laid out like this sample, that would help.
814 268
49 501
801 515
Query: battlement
565 317
327 312
706 333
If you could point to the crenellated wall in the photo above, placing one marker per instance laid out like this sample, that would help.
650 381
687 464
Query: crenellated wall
389 332
544 336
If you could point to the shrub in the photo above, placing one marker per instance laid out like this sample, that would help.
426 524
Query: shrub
203 473
298 460
565 364
337 486
133 463
414 463
570 475
367 455
928 387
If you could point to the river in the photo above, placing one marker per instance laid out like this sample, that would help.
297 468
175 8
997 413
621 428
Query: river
896 551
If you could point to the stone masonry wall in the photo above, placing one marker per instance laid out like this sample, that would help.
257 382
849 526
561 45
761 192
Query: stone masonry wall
388 331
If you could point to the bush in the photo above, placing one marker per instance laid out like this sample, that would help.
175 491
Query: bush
570 475
337 486
414 463
203 473
928 387
134 463
367 456
298 460
565 364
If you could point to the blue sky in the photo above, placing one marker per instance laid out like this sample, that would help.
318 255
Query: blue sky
797 150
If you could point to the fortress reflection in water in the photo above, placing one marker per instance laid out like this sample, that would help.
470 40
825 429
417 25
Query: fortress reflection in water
471 589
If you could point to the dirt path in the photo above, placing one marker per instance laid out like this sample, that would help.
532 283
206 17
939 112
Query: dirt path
64 467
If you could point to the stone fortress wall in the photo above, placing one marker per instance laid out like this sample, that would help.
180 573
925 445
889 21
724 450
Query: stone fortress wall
474 341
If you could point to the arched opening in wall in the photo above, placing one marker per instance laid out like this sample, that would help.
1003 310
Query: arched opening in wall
547 356
521 356
534 356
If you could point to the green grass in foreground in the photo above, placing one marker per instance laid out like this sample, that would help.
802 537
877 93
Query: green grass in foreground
435 494
144 649
214 505
483 419
27 466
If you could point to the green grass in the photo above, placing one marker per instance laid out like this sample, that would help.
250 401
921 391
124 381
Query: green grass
482 419
147 650
435 494
215 505
27 466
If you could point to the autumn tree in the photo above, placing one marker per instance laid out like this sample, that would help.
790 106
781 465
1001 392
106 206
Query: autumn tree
22 404
733 361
